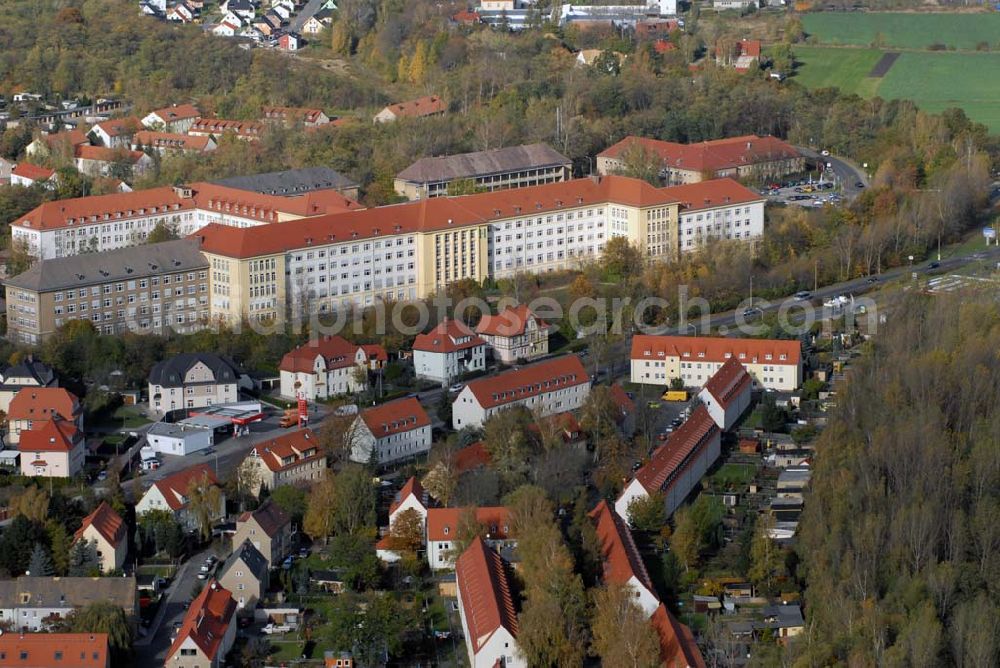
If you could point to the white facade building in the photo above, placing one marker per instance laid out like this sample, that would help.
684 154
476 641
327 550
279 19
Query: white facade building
395 430
448 351
179 438
554 386
727 394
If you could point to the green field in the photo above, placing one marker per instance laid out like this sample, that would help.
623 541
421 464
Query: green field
934 80
906 31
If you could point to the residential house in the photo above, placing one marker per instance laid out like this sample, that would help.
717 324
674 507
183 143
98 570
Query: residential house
622 562
125 289
243 8
443 524
626 410
172 494
289 459
515 334
412 496
182 13
106 529
33 406
318 22
246 575
170 143
431 105
738 5
290 116
28 373
56 449
294 182
587 57
34 603
225 29
678 648
676 466
176 119
290 41
246 130
784 621
744 157
269 529
104 161
56 144
391 432
495 169
116 133
448 351
327 367
553 386
45 650
726 395
207 631
192 380
487 605
466 17
741 56
773 364
26 175
282 10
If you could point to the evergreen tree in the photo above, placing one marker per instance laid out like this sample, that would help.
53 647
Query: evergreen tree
60 545
40 563
83 559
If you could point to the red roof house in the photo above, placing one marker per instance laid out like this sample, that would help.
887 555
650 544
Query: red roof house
208 629
487 605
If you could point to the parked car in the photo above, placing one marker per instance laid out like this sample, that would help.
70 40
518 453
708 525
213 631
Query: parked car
859 184
803 294
752 312
273 628
872 279
456 388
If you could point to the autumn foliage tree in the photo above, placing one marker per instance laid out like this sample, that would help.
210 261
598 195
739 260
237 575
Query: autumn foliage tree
622 633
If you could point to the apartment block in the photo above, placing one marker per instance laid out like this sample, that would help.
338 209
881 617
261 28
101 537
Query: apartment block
152 288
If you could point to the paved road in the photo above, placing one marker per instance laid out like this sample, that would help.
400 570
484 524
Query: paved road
846 171
307 12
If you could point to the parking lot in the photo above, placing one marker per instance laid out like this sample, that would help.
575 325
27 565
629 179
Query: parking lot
804 193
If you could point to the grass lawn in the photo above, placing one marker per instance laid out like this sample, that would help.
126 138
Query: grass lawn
733 474
286 650
909 31
934 80
129 417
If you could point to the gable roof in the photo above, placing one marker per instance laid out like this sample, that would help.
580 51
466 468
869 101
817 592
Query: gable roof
28 368
251 558
424 106
708 156
486 593
482 163
69 138
177 112
447 337
297 446
395 417
670 457
411 487
206 621
55 214
677 646
509 322
217 125
44 650
174 488
170 140
622 400
30 591
716 349
118 127
621 558
443 522
292 114
54 435
337 353
106 521
518 384
42 403
171 372
471 457
728 382
27 170
269 517
107 154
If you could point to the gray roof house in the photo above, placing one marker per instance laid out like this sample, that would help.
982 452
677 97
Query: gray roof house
31 603
292 182
496 169
193 380
29 372
245 575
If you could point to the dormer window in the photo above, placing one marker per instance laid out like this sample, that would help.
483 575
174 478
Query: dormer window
446 531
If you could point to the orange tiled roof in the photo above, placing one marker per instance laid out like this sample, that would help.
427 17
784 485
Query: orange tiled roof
713 193
412 487
509 322
55 435
447 337
677 646
486 593
177 112
424 106
292 114
471 457
431 214
45 650
289 450
715 349
337 351
443 522
174 488
34 172
622 400
621 558
107 522
729 381
206 621
395 417
668 459
119 126
105 154
69 137
80 210
219 125
709 156
170 140
41 403
516 384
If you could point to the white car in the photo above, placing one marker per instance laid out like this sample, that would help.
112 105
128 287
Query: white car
273 628
824 152
456 388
